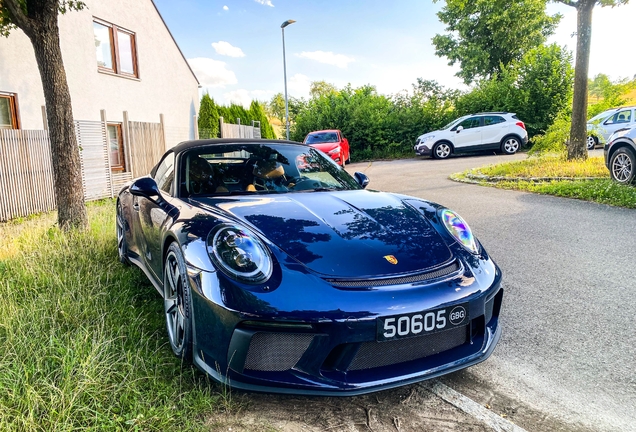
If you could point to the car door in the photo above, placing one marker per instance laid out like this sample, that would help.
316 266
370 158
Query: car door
468 135
155 214
493 131
623 118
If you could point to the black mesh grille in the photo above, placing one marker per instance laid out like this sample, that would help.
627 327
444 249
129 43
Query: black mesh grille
489 306
276 352
376 354
360 283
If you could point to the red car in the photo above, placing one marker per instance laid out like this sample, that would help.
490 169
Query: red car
330 142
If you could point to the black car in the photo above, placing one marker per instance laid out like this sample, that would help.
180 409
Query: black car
280 272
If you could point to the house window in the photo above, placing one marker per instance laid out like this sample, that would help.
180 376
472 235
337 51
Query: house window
116 148
8 111
115 49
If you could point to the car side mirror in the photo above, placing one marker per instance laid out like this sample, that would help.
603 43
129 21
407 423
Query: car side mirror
460 128
362 179
145 187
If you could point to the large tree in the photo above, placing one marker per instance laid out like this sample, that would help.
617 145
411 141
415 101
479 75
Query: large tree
578 129
485 35
38 19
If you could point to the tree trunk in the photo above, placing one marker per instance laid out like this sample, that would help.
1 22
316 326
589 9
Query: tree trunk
578 131
67 173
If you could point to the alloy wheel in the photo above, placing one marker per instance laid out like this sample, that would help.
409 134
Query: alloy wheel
122 249
511 145
591 142
174 302
442 150
622 168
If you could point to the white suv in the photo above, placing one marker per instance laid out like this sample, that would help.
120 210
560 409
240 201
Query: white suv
484 131
601 126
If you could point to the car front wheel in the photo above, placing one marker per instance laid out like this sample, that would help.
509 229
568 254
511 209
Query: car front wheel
510 145
442 150
592 142
177 304
623 166
122 246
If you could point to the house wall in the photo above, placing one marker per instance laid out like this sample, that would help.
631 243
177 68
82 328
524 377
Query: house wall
165 85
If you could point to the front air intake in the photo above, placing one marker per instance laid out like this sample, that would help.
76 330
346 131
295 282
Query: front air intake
276 352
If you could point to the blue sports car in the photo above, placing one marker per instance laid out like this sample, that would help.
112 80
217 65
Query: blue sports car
279 272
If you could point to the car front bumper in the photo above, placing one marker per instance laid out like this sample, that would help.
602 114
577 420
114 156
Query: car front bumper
423 150
320 347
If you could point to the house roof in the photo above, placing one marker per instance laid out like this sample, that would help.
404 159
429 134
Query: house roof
175 42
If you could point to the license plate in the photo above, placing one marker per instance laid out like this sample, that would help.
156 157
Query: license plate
422 323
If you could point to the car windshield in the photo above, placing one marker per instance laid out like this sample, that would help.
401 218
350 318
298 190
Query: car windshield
451 124
233 169
602 116
321 137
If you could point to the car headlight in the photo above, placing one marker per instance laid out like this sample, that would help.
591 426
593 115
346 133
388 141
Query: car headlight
239 254
427 138
459 229
334 151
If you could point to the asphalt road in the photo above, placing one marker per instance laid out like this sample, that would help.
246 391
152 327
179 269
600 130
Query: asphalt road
567 356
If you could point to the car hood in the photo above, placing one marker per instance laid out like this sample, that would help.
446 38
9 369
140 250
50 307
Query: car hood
429 134
325 147
348 234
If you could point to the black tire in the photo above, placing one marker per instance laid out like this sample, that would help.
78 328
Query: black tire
122 246
177 303
442 150
510 145
348 161
622 166
592 142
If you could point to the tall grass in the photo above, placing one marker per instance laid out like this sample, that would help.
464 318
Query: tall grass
82 338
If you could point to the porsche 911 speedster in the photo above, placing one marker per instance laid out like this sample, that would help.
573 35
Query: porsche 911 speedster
280 273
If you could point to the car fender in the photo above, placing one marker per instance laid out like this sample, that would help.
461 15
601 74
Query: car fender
619 143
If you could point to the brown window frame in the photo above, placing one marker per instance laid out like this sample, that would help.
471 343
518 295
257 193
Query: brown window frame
114 50
13 108
122 151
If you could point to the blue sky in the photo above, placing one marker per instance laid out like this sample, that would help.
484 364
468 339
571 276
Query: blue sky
235 47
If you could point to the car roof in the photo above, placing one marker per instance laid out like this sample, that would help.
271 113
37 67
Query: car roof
324 130
186 145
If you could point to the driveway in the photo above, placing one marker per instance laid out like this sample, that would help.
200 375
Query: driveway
567 352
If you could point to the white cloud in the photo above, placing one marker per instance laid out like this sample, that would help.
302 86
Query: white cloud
226 8
265 2
298 85
212 73
226 49
327 57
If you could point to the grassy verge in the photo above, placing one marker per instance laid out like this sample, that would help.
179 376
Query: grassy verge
83 337
585 180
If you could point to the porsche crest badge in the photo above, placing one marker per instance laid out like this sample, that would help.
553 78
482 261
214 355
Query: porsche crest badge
390 258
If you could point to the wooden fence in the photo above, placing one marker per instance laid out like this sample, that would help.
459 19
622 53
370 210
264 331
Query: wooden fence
26 173
26 170
147 145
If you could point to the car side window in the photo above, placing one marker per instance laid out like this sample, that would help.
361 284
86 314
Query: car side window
164 176
470 123
492 120
624 116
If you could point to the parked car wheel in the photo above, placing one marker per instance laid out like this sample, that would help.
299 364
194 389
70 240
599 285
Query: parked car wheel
510 145
176 299
442 150
592 142
122 246
623 166
348 157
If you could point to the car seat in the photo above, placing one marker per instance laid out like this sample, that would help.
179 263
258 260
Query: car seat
202 180
267 174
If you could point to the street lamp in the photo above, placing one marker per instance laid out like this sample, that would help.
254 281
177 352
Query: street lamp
282 28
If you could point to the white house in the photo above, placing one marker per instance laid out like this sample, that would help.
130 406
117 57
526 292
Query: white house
119 55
